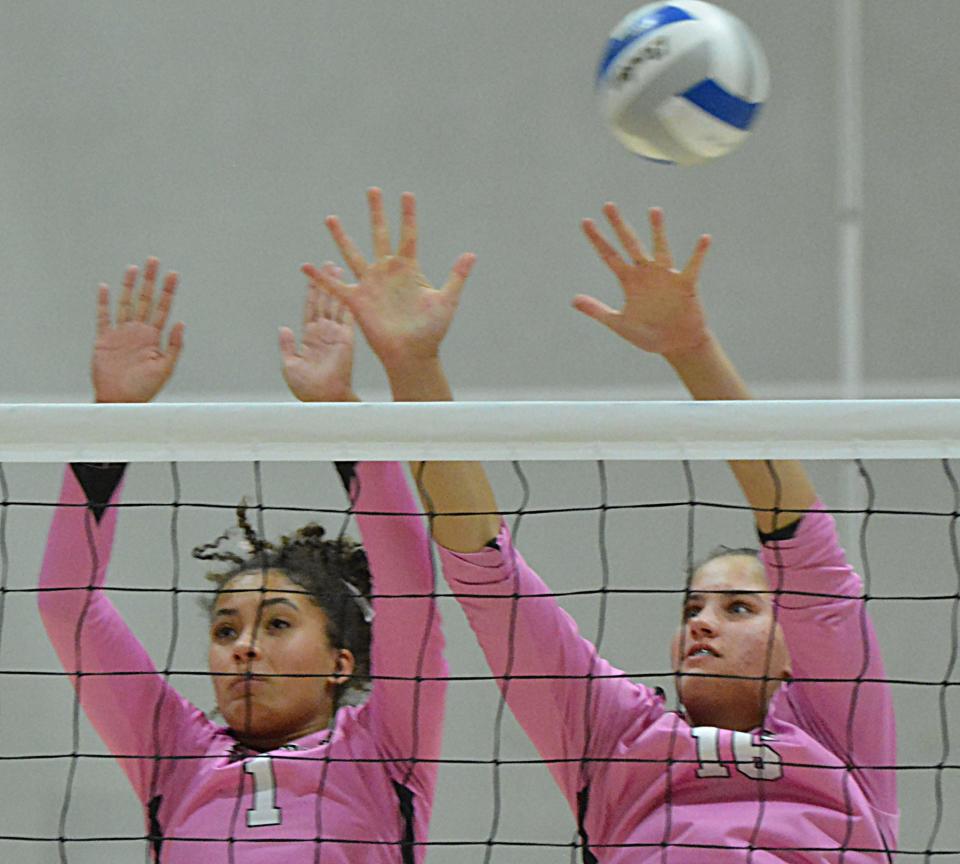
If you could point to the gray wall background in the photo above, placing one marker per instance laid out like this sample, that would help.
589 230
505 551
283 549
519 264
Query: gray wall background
218 135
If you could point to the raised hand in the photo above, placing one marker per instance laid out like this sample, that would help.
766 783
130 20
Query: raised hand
403 317
661 310
130 363
321 370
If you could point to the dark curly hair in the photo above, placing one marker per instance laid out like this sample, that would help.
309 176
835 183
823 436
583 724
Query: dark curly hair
333 573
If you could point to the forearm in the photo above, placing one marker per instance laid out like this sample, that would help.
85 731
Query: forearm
782 485
408 666
118 688
447 488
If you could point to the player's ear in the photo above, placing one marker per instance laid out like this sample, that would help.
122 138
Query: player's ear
344 664
786 665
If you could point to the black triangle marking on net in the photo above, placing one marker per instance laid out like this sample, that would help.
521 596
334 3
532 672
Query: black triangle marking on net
99 482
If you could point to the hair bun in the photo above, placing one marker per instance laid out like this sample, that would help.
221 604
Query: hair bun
311 531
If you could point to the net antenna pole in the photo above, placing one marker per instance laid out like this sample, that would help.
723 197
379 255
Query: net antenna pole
849 48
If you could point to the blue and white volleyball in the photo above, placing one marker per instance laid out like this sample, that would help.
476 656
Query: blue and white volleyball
682 81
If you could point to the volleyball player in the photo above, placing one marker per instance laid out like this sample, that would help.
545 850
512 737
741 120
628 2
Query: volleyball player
779 749
295 773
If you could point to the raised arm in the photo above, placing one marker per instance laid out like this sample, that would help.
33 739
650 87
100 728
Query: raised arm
404 319
662 314
831 638
119 689
406 714
521 628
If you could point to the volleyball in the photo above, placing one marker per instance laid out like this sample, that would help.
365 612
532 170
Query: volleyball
682 82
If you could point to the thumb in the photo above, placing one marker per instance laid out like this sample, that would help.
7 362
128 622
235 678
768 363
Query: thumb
327 279
172 354
593 308
175 343
458 276
288 344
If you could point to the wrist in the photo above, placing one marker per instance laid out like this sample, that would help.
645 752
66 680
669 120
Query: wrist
418 379
708 374
695 353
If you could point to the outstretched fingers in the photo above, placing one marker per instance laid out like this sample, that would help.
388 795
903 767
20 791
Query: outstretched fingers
593 308
661 248
315 302
326 280
125 304
348 249
288 343
334 309
408 226
310 303
145 300
379 228
103 308
167 293
607 253
174 344
625 233
461 269
692 271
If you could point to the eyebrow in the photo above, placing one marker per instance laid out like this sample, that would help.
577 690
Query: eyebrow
264 605
728 592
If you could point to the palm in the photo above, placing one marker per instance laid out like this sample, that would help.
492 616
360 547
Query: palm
403 317
322 370
401 313
130 363
661 310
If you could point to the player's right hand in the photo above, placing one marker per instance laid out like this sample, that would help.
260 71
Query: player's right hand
130 363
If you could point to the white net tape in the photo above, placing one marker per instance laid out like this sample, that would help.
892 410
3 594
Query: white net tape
803 429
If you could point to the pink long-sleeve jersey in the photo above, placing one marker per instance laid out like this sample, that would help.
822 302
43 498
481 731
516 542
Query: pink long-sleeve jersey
645 785
359 791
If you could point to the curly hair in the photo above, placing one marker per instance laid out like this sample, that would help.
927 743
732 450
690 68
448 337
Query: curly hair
333 574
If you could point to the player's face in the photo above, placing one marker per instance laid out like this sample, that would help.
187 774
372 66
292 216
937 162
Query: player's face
264 628
728 628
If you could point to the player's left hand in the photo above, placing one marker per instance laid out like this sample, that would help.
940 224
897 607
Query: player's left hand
402 315
322 370
662 312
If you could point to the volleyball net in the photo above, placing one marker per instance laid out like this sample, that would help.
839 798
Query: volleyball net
610 502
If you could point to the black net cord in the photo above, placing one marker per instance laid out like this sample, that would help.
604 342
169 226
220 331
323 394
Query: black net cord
943 682
4 560
155 845
951 666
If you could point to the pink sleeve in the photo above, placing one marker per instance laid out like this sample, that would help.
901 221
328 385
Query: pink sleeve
132 708
405 715
832 638
570 701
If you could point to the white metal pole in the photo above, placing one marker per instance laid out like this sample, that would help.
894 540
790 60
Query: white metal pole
850 192
850 331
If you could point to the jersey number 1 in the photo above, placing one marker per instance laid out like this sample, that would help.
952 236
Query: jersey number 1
264 810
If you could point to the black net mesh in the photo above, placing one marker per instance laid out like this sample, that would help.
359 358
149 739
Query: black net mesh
614 542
